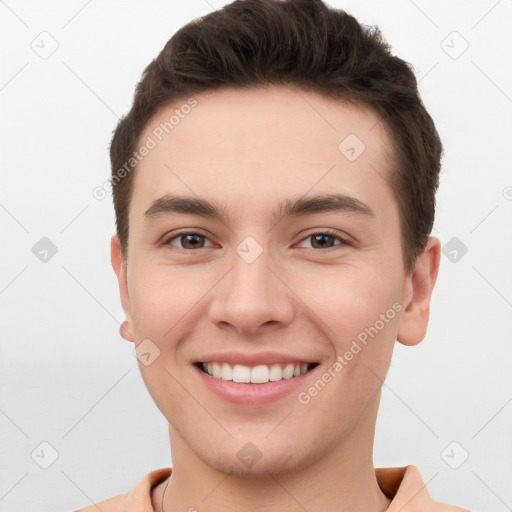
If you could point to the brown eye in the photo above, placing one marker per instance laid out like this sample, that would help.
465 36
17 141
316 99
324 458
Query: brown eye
188 240
323 240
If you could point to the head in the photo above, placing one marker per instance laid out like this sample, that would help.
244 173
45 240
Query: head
286 124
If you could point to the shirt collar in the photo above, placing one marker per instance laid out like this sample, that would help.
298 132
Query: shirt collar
403 485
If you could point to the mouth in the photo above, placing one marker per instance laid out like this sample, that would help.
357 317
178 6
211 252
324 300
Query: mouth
258 374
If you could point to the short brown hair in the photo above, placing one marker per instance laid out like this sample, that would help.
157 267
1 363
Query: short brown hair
301 43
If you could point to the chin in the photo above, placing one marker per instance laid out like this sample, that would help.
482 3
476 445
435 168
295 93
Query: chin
257 457
273 465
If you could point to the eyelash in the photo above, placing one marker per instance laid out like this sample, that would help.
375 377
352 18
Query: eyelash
327 232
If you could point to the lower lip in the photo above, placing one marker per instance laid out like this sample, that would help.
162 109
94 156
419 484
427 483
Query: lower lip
252 394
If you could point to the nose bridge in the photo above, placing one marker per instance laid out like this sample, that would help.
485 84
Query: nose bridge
251 295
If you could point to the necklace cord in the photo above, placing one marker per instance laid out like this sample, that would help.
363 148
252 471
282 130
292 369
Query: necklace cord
163 495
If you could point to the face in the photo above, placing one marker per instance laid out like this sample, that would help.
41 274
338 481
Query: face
264 244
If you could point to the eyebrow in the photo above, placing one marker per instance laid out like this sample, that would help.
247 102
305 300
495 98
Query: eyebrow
179 204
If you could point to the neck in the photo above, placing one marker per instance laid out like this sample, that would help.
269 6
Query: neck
345 477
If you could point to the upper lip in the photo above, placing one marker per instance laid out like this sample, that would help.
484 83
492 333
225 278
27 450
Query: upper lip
252 359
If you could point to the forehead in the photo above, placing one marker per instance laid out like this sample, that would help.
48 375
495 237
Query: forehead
277 115
246 145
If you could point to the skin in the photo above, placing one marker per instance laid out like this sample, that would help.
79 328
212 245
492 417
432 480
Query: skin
248 150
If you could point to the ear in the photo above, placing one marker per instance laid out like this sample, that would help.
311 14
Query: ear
417 293
119 266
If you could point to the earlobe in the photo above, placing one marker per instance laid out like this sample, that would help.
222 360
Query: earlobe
417 294
125 331
119 266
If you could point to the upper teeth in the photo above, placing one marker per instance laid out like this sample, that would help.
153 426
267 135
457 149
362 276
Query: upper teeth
257 374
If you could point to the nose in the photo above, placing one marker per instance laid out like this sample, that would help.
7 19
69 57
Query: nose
252 297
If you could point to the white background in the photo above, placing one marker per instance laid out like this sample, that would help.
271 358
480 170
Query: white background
69 379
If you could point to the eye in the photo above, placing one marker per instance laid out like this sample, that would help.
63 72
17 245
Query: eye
189 240
321 239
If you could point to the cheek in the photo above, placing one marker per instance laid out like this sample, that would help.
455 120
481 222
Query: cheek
350 301
345 300
160 296
360 311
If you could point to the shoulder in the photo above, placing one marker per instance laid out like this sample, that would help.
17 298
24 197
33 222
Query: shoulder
432 505
114 504
137 500
437 506
409 492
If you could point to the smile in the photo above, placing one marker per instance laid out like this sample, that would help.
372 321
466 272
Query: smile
260 374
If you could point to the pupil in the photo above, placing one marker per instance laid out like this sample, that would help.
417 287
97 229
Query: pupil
190 238
321 236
